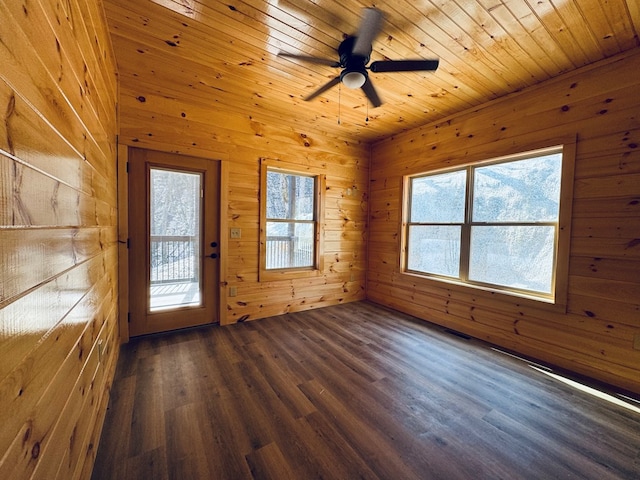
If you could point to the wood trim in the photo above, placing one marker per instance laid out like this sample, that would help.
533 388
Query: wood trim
403 219
287 274
320 224
564 224
223 205
123 248
137 220
263 218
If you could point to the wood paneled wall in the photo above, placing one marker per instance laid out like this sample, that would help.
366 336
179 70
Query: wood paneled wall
158 122
58 255
596 336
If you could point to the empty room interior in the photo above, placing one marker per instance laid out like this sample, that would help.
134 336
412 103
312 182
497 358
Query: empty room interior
304 239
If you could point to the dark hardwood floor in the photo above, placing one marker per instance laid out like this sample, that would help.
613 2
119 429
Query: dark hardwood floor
347 392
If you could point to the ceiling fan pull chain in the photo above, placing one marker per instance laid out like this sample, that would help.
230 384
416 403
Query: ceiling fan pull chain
366 120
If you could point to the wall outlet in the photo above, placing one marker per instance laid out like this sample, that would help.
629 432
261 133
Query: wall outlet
235 233
233 291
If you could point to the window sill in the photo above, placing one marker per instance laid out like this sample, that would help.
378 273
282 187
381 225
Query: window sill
288 274
508 298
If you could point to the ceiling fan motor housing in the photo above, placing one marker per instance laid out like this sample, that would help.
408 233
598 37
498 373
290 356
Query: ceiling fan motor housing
348 59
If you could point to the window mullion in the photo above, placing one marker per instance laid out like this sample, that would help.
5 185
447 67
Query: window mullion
465 233
292 211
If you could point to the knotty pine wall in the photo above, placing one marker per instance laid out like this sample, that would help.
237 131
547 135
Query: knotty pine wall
158 122
58 255
595 336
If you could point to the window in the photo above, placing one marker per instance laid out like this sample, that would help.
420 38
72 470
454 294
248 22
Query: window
291 215
493 225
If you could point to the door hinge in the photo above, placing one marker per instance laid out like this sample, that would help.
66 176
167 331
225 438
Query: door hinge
128 317
128 243
127 167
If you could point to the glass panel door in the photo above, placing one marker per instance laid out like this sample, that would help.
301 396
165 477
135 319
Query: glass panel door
175 239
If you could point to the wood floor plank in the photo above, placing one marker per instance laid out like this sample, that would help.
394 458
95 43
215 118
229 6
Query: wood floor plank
113 454
374 445
148 428
187 444
334 451
268 462
279 380
351 391
149 464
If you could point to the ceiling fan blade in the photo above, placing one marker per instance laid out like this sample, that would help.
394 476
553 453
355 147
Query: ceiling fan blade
404 65
323 89
305 58
371 93
369 27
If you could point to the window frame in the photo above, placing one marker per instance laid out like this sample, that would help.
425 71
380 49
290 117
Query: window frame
272 274
558 296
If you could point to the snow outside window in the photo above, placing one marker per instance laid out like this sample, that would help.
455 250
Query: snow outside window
494 225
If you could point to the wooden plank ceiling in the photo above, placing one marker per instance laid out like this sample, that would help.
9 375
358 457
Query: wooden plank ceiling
223 54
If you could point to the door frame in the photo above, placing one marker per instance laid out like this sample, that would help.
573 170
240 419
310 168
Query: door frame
123 234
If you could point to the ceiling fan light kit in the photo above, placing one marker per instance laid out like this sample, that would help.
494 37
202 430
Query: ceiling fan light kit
353 79
355 53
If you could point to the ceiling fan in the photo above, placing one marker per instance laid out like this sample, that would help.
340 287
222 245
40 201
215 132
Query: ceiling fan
355 53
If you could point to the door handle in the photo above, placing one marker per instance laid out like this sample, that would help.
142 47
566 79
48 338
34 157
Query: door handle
213 245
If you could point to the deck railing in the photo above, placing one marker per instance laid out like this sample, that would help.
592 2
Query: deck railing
174 259
289 252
